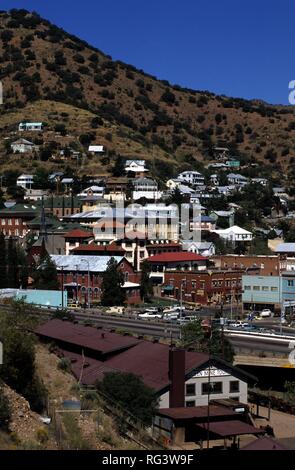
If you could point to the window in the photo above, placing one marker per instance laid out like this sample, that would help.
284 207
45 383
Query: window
265 288
290 283
274 289
3 221
190 403
256 287
247 288
9 222
234 386
190 389
215 387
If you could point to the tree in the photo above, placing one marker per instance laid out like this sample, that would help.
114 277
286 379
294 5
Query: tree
131 393
193 335
112 281
119 167
46 274
146 286
18 369
3 279
12 264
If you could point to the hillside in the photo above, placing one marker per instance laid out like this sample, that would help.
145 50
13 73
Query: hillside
50 75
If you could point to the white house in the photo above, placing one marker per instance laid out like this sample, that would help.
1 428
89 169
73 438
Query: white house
135 167
235 234
96 149
236 179
191 177
30 126
25 181
23 146
200 248
147 188
93 191
173 183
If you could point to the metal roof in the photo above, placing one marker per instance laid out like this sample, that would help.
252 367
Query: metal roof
85 336
230 428
285 248
97 264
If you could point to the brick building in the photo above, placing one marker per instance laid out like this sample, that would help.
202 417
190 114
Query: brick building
205 287
269 265
82 276
14 220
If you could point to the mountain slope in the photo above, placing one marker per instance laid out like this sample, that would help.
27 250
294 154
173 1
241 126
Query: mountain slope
148 117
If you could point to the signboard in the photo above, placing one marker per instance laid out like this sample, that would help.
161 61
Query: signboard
214 372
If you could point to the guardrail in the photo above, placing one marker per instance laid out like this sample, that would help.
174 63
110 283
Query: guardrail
273 336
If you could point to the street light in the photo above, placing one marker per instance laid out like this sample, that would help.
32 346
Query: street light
88 280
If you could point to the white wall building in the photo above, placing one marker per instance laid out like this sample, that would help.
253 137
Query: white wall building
235 234
191 177
25 181
146 188
30 126
23 146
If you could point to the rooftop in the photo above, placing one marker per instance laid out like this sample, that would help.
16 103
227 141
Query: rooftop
181 256
96 264
78 233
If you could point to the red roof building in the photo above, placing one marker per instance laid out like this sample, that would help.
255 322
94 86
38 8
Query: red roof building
176 261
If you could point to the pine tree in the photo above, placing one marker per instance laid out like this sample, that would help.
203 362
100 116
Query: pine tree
46 275
146 286
113 279
3 267
12 264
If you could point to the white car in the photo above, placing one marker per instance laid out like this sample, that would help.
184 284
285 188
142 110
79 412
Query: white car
266 313
150 315
168 316
239 324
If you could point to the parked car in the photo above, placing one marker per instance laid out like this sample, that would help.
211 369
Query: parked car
239 324
150 315
170 316
266 313
187 319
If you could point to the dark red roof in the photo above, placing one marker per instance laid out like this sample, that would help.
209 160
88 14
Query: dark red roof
230 428
175 257
78 233
200 412
85 336
151 362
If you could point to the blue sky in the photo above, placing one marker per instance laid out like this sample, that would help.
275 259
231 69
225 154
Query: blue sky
241 48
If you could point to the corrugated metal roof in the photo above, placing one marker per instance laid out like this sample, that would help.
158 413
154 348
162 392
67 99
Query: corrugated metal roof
196 412
71 262
230 428
285 248
85 336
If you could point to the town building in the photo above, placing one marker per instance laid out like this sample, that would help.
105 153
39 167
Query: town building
268 265
276 293
179 261
25 181
237 179
81 276
184 382
146 188
62 206
193 178
96 149
201 248
15 219
204 286
77 237
30 126
23 146
135 168
234 234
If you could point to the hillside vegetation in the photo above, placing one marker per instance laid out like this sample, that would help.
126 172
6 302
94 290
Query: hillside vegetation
55 77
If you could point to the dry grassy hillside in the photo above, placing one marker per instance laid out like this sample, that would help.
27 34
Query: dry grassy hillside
136 113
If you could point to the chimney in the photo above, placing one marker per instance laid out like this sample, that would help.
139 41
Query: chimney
176 377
